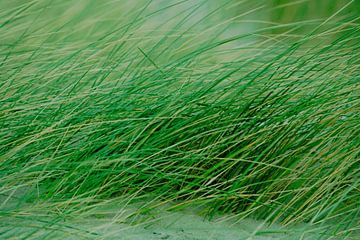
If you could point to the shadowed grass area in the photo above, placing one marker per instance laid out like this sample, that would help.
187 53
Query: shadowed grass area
211 103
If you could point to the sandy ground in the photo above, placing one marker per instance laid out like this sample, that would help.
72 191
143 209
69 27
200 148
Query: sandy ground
170 225
183 226
119 220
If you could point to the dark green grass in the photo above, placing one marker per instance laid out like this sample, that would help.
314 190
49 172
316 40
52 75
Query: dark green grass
181 102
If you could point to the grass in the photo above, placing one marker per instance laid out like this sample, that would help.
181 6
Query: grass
209 103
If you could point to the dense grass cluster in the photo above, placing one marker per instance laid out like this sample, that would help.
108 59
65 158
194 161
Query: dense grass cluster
105 100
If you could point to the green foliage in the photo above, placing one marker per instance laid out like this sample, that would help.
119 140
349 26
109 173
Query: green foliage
253 112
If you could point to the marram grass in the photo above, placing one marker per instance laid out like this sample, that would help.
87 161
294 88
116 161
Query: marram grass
207 103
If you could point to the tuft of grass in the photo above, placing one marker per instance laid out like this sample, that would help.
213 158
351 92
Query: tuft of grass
214 103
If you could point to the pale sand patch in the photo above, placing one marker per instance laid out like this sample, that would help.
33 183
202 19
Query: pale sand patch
114 223
117 219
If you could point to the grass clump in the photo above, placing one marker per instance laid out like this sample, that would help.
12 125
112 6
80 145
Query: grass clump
182 102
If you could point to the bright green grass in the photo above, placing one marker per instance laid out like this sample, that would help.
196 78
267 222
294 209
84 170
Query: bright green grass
235 105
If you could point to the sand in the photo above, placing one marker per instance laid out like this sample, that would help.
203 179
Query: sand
114 223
